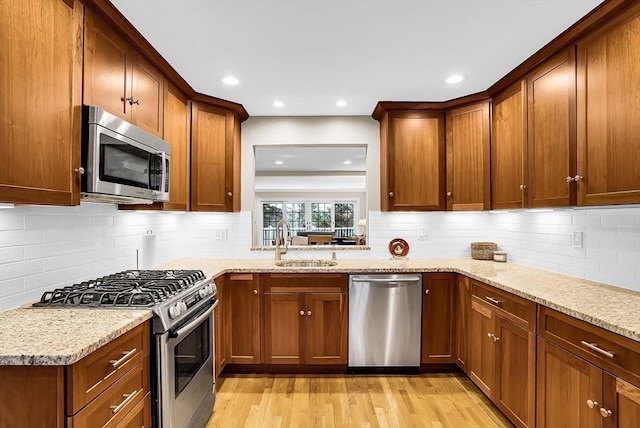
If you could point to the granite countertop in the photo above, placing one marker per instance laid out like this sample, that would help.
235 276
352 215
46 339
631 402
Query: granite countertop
59 337
35 336
612 308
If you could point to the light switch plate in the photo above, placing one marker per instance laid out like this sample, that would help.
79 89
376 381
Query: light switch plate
577 239
424 233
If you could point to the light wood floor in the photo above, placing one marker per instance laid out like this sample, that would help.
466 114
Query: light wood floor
305 401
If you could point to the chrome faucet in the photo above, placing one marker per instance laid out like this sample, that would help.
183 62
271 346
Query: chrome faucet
282 224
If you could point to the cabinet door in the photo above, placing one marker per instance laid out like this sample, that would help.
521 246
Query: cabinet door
107 68
326 328
243 291
41 87
508 182
565 383
147 90
482 348
176 132
514 391
551 126
438 318
284 325
215 154
622 399
468 158
608 114
413 162
463 303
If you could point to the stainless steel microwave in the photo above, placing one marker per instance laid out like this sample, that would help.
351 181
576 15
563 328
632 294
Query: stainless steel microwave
122 163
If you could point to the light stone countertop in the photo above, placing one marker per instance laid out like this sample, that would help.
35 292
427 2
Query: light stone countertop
59 337
35 336
612 308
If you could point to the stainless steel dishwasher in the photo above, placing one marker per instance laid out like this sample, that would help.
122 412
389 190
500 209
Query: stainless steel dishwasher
385 314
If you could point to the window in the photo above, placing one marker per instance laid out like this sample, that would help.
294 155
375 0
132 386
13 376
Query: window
335 217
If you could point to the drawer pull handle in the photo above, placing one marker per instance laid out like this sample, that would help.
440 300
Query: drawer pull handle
493 300
605 413
126 356
591 404
596 348
127 399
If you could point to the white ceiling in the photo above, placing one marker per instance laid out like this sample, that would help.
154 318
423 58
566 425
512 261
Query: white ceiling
310 53
296 159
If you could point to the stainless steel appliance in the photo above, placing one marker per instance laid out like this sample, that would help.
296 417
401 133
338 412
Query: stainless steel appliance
121 162
385 313
182 302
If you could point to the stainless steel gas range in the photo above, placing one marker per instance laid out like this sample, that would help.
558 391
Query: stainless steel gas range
182 302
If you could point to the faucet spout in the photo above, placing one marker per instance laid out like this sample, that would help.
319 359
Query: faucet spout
282 224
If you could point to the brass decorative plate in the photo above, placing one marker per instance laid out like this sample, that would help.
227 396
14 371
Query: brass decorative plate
398 247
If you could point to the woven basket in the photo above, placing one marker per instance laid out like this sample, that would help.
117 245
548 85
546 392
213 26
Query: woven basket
483 250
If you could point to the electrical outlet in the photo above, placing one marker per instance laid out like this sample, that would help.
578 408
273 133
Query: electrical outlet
221 234
577 239
424 233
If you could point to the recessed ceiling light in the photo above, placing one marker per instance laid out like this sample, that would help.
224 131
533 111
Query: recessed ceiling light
341 103
230 80
278 104
278 162
347 162
455 78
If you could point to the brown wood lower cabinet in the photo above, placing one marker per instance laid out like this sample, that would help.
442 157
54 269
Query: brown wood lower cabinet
243 300
438 318
463 307
501 352
220 327
305 319
109 387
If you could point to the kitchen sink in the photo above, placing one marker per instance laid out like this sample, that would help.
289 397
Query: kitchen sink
305 263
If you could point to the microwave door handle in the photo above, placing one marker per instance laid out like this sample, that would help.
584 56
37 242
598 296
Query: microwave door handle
163 165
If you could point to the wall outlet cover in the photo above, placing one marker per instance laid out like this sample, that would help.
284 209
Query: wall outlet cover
424 233
577 239
221 234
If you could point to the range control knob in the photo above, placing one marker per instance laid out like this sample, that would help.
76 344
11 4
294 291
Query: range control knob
210 288
182 306
174 311
203 292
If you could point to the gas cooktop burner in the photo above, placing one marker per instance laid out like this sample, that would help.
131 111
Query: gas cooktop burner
131 288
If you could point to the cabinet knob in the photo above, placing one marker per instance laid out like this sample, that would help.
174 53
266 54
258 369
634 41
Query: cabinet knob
490 335
79 170
255 291
391 194
578 178
229 194
426 291
605 413
448 194
591 404
301 312
496 338
570 179
309 313
523 186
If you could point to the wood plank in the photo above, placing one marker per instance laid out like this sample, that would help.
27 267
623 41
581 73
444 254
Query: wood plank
433 400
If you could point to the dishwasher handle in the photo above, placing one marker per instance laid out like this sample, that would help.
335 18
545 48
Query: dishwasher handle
387 280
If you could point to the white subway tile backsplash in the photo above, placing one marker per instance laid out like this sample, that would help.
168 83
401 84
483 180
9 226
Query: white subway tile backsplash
632 221
11 287
41 221
10 220
11 254
601 255
20 269
10 238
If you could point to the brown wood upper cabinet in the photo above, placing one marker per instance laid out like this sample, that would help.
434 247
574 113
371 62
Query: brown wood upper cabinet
438 318
508 138
119 79
215 158
305 319
551 126
468 158
609 113
412 158
41 87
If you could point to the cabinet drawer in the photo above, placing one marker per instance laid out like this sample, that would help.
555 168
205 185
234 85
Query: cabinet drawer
519 310
90 376
608 350
114 405
305 282
139 416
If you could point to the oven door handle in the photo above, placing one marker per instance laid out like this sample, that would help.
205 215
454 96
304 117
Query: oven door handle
191 325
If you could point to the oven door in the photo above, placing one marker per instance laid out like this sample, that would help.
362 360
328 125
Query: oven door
185 383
